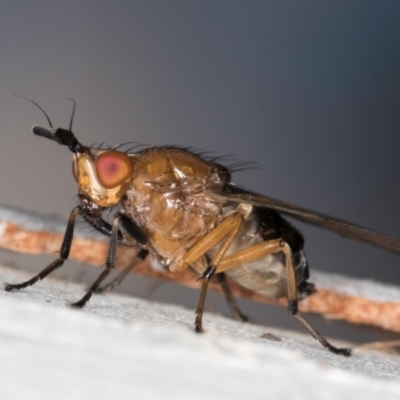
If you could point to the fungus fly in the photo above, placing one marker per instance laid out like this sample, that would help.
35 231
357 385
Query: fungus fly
184 210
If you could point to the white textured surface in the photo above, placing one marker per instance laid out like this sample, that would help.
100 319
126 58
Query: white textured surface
365 288
122 347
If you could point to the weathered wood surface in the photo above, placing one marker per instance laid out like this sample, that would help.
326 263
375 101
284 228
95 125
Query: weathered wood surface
354 300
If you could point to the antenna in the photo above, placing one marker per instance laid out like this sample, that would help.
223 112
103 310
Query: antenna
73 113
41 109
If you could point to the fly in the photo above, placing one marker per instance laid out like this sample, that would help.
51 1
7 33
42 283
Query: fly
185 211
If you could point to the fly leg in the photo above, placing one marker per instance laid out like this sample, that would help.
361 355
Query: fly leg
224 232
293 306
64 253
129 229
221 277
198 324
125 272
110 263
263 249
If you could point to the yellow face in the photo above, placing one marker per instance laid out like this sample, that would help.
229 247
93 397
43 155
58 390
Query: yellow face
103 175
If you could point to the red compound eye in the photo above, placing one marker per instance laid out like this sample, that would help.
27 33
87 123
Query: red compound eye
113 168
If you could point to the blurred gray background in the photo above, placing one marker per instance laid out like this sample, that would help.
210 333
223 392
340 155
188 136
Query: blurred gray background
310 89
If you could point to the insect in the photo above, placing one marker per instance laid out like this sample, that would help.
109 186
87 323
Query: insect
185 211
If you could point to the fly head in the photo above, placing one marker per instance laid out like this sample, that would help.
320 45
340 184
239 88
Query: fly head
102 174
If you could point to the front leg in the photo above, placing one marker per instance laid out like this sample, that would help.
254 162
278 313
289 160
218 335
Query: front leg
110 263
133 231
130 230
64 253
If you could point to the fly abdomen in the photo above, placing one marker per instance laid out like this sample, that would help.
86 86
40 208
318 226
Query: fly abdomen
268 275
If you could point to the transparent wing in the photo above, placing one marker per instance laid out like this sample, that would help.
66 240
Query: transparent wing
234 194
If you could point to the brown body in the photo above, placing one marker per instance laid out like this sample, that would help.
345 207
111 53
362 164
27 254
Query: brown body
169 198
172 196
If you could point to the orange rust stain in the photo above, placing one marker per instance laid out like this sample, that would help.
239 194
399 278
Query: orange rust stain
358 310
